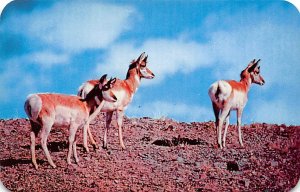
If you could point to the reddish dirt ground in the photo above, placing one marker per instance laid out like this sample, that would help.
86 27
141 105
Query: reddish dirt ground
161 155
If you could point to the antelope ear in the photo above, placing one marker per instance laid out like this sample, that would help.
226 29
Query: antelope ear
257 61
252 67
144 63
113 81
145 59
102 79
141 58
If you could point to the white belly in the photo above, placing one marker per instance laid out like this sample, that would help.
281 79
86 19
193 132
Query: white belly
239 100
64 116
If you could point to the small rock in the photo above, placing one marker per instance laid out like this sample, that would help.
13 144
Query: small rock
265 177
243 161
134 122
233 152
238 173
247 182
180 159
284 161
220 165
274 163
197 164
281 184
20 189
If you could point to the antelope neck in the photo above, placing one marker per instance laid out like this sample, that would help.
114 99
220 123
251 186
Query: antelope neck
91 100
133 79
246 81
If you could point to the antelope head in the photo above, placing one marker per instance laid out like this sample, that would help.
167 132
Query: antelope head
253 70
105 87
144 71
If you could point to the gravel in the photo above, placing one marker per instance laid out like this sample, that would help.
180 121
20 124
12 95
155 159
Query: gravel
161 155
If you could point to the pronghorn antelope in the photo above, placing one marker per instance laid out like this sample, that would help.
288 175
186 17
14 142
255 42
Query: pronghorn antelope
48 109
124 91
233 95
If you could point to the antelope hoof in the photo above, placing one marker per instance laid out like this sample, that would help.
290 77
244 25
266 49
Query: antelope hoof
86 149
36 167
123 147
220 145
224 144
95 146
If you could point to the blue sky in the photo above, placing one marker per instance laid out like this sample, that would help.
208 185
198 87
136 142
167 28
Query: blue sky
54 46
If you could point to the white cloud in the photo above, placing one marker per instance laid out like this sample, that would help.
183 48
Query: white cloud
178 111
275 111
59 32
171 56
277 46
227 52
14 82
74 25
17 81
46 58
117 59
166 57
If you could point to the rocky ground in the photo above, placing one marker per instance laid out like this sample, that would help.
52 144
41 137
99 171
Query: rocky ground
161 155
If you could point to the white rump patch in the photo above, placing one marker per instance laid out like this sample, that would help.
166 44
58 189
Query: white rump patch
84 89
219 92
33 106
